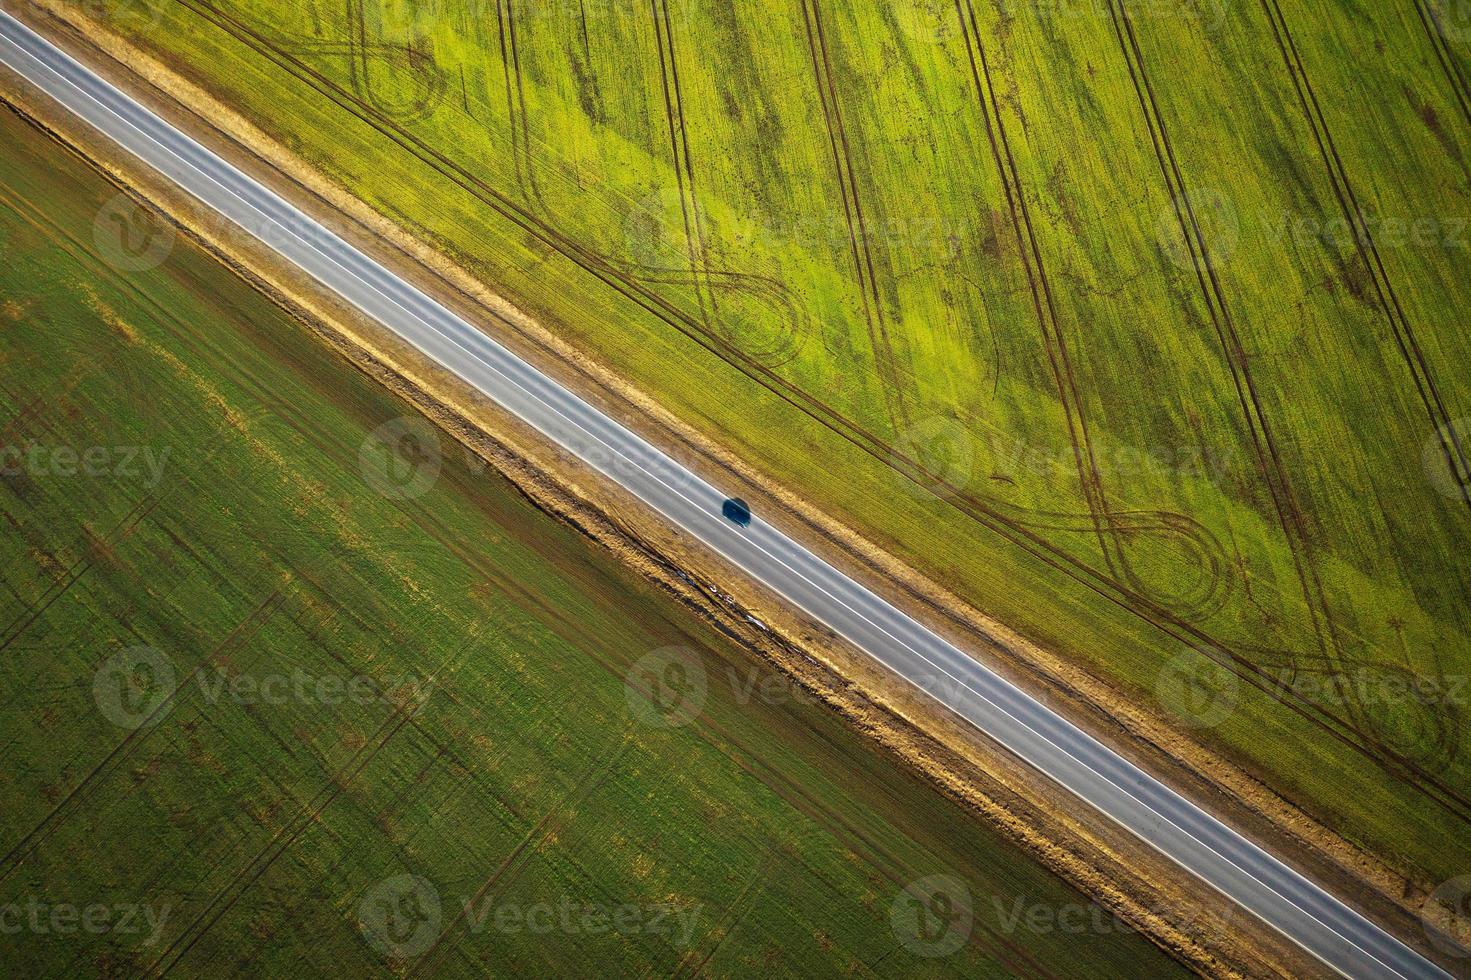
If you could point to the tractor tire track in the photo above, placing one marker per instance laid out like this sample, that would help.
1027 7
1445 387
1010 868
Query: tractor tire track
1112 529
982 511
550 822
769 291
361 54
1353 212
306 817
682 159
516 106
91 543
81 793
1449 64
609 273
885 359
1290 517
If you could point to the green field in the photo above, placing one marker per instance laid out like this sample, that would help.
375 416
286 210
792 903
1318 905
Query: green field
258 669
1138 324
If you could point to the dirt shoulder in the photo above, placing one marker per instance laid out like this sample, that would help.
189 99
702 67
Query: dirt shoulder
1121 873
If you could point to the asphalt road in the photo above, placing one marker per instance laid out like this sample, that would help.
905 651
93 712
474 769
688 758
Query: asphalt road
1319 923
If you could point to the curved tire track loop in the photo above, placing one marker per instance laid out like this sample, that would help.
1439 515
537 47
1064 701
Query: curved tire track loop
778 339
1417 759
978 508
1117 531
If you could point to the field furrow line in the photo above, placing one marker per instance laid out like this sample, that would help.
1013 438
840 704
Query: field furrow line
1343 189
1090 480
1091 579
82 792
885 360
1455 76
1324 626
550 821
682 161
306 817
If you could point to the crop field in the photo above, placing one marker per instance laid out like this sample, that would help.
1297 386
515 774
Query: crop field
291 686
1138 323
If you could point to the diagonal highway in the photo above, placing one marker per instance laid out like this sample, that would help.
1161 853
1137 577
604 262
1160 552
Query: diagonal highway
1308 915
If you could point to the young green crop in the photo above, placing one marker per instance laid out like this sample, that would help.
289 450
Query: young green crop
1136 324
293 684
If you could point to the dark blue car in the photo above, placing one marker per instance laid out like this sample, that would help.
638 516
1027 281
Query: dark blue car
737 511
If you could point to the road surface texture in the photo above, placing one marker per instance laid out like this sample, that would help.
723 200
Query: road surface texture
1321 924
